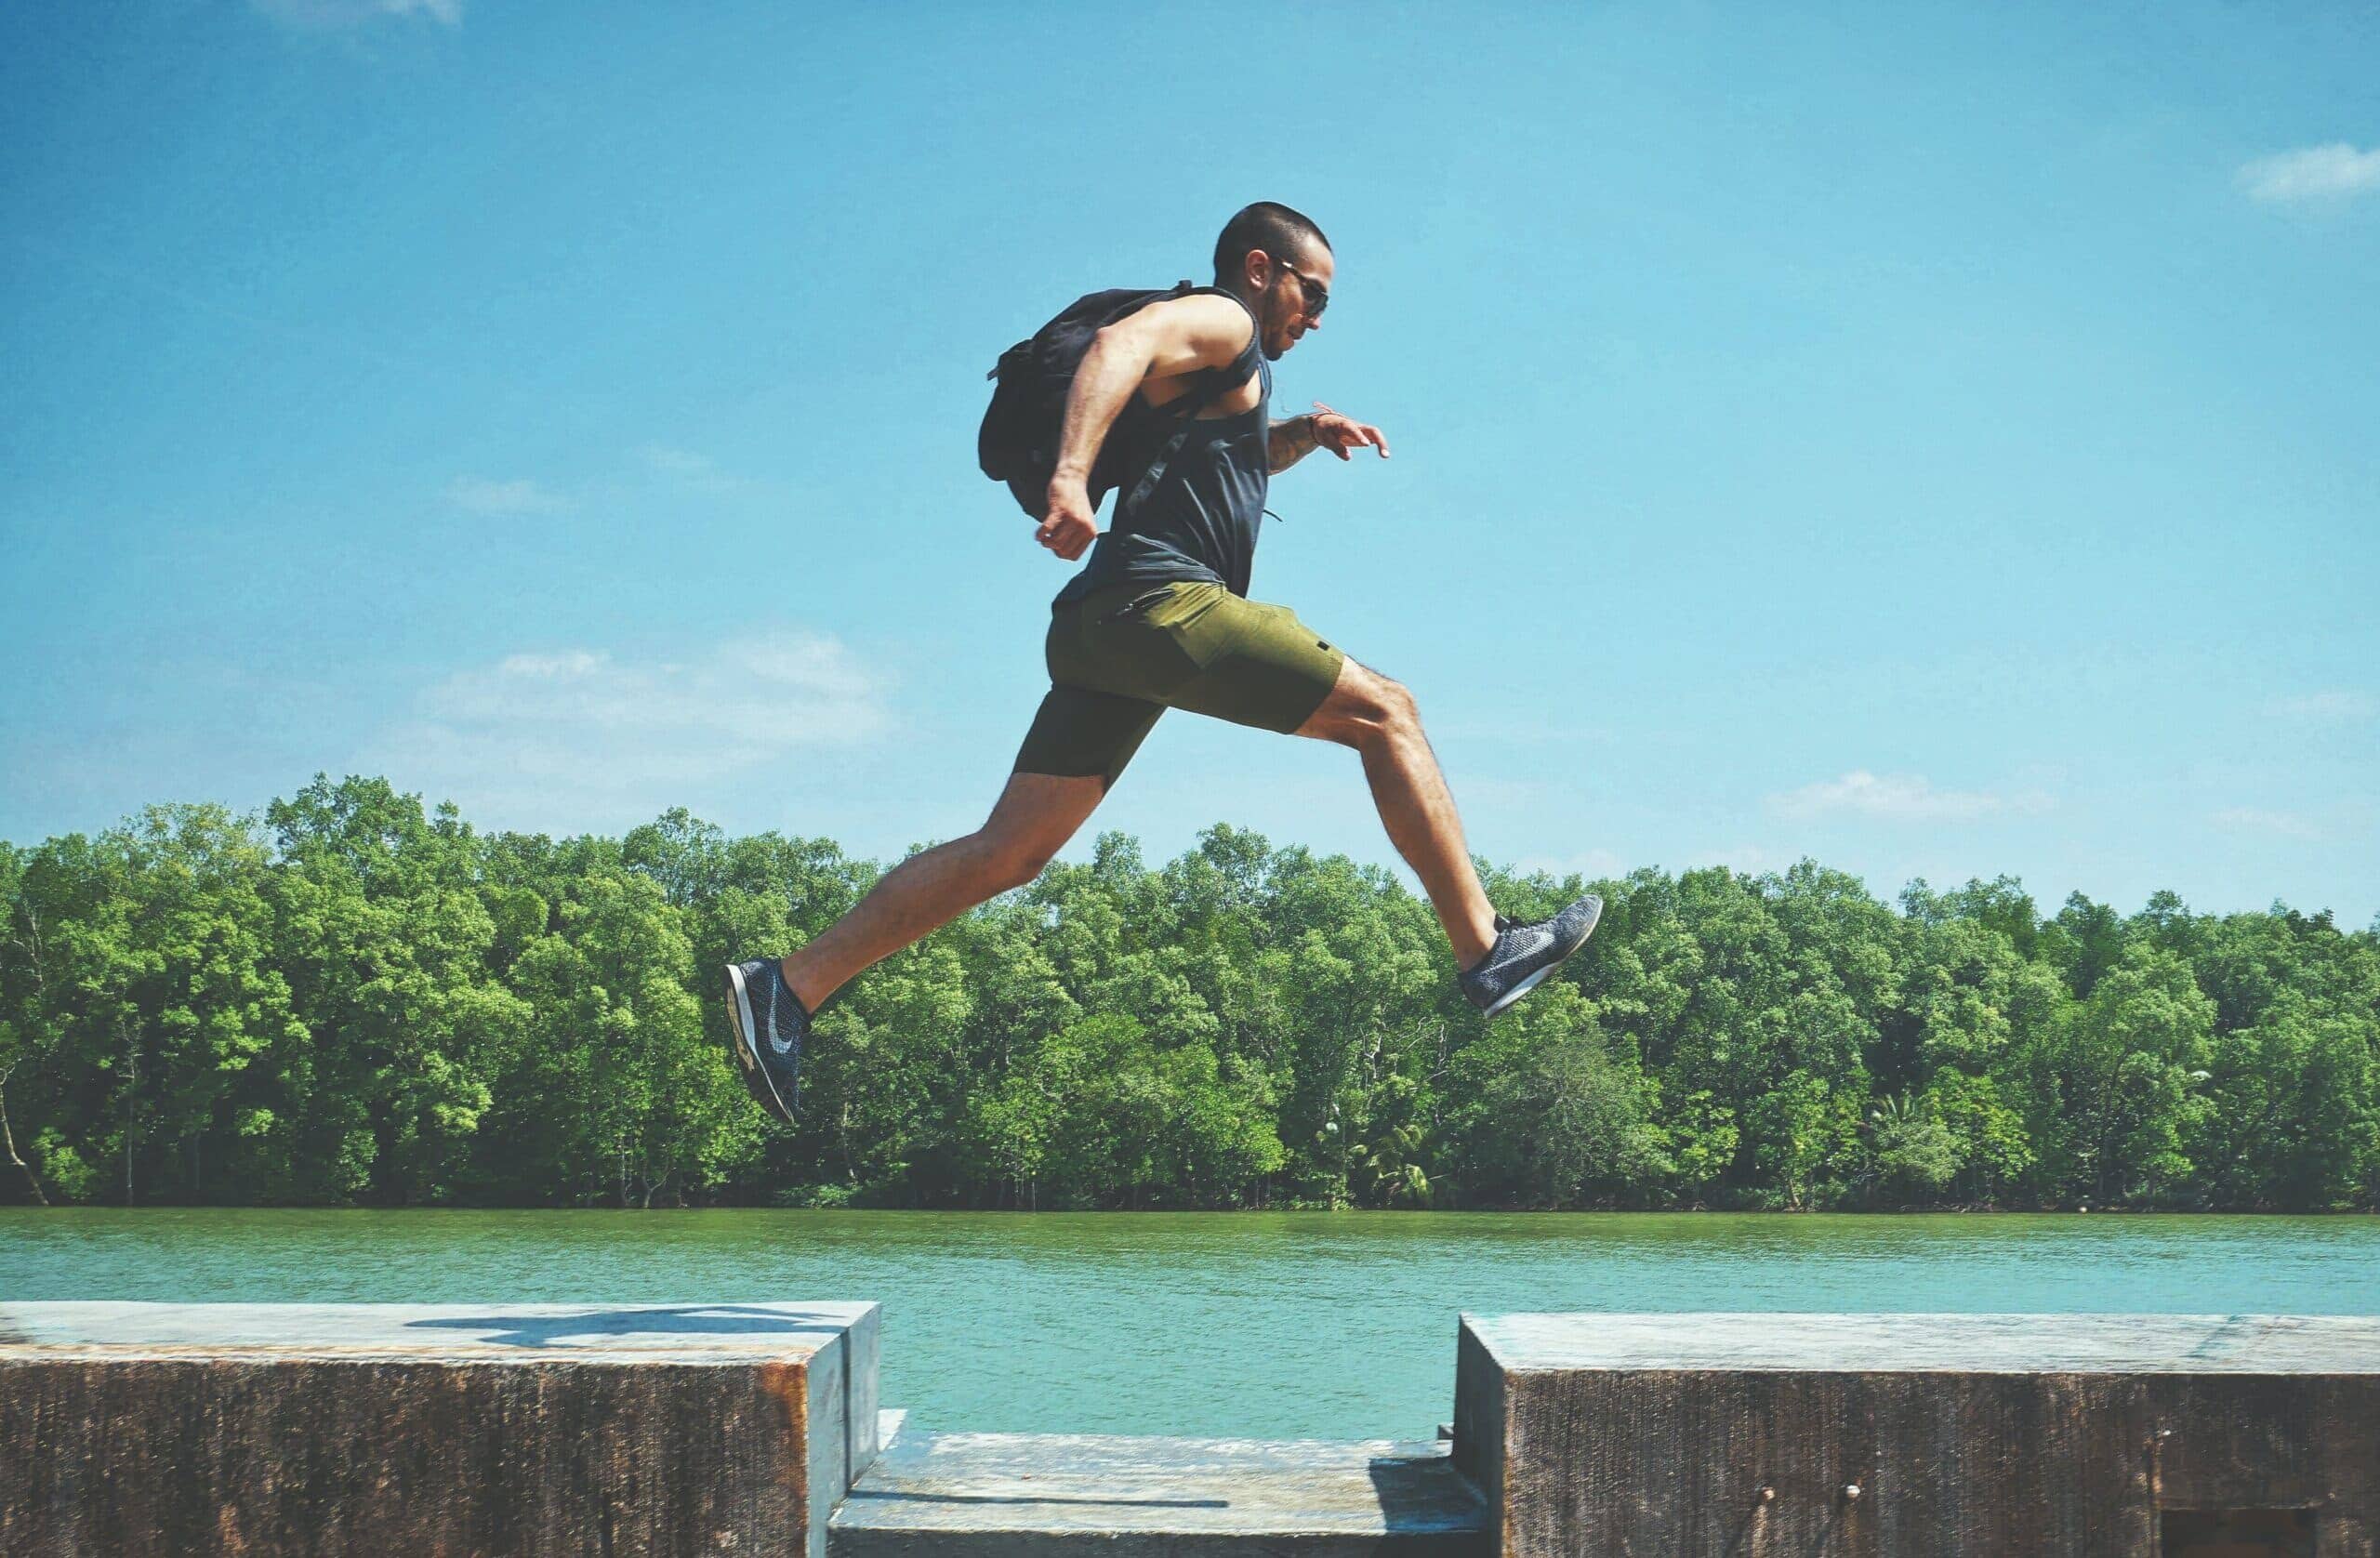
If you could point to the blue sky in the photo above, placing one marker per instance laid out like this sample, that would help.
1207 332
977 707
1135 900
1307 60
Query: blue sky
1941 441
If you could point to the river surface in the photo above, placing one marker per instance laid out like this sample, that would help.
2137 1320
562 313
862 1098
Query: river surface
1294 1325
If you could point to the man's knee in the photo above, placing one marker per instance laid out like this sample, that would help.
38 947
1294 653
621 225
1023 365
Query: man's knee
1391 711
1034 819
1004 861
1397 708
1366 707
1014 865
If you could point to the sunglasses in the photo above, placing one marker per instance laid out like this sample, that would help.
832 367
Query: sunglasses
1317 297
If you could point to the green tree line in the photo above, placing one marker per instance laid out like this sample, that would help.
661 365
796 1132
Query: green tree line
351 1000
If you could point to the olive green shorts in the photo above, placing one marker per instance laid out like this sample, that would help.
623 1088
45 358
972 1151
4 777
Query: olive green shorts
1122 655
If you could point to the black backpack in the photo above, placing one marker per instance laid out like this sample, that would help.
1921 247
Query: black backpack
1018 442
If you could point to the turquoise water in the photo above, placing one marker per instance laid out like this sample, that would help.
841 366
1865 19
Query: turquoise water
1291 1325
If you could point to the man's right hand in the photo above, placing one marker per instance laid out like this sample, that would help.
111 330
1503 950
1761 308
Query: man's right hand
1068 526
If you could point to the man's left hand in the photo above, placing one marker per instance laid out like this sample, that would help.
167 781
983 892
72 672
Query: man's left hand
1338 433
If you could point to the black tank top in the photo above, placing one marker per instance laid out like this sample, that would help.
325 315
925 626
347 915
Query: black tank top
1201 521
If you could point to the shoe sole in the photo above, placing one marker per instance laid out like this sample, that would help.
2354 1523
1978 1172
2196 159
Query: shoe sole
1533 981
741 1026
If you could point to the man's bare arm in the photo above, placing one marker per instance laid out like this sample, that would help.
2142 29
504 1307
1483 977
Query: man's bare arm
1159 341
1290 440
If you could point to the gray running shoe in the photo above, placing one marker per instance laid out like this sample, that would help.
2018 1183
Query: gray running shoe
1524 953
766 1025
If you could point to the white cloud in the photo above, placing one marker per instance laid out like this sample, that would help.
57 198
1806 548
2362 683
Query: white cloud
2336 704
323 15
483 497
1750 859
1586 863
2255 820
2312 173
677 462
1483 791
697 471
1898 797
578 733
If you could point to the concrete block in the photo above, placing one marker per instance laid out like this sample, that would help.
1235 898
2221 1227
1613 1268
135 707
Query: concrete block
1049 1495
1923 1434
130 1428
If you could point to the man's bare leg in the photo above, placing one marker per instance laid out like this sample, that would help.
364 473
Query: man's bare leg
1377 718
1036 814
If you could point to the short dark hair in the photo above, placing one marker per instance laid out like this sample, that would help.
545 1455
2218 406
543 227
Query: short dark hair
1269 226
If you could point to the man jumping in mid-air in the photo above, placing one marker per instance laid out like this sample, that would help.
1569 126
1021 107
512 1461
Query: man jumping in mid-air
1159 618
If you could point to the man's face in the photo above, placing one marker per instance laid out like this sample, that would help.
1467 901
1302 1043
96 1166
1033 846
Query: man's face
1290 297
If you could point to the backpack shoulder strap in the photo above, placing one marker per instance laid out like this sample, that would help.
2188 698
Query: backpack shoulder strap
1210 384
1221 381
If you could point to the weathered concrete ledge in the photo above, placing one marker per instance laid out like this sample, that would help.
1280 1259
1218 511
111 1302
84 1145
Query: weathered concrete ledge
657 1429
1923 1434
1049 1495
130 1428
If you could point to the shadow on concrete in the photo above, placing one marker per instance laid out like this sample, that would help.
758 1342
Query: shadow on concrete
1425 1494
716 1319
858 1495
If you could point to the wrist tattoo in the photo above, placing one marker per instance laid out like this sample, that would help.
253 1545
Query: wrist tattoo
1293 438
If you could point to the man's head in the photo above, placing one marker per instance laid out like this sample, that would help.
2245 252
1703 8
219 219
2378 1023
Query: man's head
1280 262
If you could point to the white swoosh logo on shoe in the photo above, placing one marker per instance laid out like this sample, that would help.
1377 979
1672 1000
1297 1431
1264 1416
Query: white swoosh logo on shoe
1538 942
782 1046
